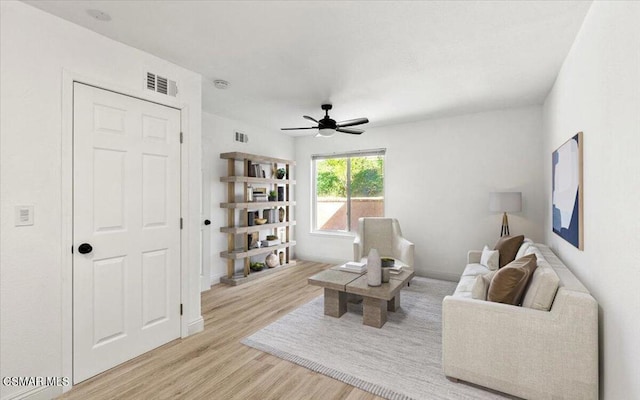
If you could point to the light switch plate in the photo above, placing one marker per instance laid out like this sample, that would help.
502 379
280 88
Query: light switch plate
24 215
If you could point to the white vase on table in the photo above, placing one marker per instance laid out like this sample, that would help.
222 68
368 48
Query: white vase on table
374 269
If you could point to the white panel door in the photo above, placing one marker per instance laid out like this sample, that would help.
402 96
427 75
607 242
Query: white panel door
205 228
126 228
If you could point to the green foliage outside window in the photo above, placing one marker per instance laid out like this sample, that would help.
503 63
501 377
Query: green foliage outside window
366 177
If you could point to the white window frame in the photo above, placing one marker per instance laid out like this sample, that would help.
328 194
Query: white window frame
314 184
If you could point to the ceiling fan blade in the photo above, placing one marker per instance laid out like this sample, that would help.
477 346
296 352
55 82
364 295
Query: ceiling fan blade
351 131
352 122
293 129
310 119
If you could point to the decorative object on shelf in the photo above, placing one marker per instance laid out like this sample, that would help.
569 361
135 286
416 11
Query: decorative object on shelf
505 202
259 194
257 171
281 257
270 242
280 173
271 260
280 193
260 221
270 215
567 195
273 195
256 266
281 214
254 240
374 270
250 170
251 218
249 193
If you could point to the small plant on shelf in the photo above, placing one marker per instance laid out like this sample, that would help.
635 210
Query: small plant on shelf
256 266
273 195
280 173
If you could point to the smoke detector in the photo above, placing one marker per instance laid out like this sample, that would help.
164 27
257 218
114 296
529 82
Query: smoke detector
99 15
221 84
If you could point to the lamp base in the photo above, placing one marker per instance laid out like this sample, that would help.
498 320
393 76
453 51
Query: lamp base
504 231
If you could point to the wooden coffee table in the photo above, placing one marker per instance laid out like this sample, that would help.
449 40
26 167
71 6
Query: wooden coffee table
377 300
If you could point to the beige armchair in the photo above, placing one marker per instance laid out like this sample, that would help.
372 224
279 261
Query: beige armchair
384 235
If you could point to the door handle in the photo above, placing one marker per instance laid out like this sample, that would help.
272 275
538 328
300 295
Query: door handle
85 248
207 222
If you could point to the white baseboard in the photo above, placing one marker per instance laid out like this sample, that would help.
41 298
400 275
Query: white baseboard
195 326
215 278
39 393
443 276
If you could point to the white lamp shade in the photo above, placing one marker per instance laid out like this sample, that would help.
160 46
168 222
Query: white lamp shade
505 201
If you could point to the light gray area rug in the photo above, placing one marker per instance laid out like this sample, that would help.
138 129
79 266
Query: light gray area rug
402 360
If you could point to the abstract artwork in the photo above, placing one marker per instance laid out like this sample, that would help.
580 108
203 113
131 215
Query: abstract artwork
566 195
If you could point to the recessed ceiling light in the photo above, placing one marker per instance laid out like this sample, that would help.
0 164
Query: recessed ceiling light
221 84
99 15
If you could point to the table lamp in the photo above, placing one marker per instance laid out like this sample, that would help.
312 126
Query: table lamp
505 202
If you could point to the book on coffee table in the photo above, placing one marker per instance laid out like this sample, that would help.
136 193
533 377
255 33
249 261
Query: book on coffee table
396 269
353 266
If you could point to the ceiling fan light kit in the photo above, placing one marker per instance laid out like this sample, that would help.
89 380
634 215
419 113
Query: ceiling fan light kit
327 126
323 132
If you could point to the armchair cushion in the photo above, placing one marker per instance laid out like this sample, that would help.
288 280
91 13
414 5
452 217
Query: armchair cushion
384 235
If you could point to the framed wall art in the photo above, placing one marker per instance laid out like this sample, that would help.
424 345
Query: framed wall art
566 193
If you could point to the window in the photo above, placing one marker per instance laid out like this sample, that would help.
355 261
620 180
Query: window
346 187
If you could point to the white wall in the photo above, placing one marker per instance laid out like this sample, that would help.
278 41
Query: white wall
438 177
598 92
36 48
218 136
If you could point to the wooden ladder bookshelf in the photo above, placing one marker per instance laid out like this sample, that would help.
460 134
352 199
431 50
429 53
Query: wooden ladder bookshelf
239 183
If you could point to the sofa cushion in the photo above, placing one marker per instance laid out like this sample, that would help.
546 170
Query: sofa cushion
509 283
523 248
475 269
542 289
490 258
465 285
508 247
480 286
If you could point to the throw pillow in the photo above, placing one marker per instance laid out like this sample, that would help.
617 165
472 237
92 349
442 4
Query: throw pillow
508 247
509 283
490 258
480 286
522 250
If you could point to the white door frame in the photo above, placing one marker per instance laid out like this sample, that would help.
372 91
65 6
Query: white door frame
66 231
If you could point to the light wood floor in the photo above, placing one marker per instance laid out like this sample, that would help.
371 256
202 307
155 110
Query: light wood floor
213 364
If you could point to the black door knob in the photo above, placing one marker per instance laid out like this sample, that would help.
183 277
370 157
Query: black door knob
207 222
85 248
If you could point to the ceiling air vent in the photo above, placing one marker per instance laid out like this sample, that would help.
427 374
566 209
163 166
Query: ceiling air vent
161 85
241 137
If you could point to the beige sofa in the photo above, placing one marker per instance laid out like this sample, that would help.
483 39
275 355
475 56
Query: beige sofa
525 351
